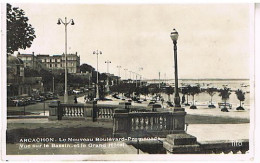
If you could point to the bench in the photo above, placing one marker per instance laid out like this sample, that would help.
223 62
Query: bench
222 104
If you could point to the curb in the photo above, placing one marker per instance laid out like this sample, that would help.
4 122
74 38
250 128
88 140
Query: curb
25 117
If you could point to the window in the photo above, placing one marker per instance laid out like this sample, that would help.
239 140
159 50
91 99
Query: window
55 65
50 65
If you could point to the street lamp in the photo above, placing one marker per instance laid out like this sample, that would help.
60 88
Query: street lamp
125 73
119 67
130 74
136 79
174 36
66 79
159 79
140 69
97 52
107 62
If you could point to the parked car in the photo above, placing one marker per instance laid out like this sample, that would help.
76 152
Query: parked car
77 91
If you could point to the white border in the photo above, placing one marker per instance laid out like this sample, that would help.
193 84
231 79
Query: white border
3 81
128 156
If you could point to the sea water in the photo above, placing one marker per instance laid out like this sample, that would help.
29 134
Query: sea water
203 98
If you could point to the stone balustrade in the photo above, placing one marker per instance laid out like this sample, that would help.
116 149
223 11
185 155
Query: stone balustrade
89 109
141 124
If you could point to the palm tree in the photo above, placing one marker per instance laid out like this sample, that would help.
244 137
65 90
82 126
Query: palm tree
241 97
144 91
185 91
193 91
169 91
211 92
224 93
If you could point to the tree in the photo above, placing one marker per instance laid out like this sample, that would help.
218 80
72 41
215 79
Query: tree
225 93
211 92
20 34
86 68
241 97
46 79
29 72
193 91
144 91
185 91
169 91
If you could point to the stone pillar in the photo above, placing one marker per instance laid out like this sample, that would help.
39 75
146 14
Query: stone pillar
94 111
59 112
125 105
53 110
88 109
181 144
120 123
179 120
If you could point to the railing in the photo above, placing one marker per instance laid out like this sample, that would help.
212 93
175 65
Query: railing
148 123
59 111
107 111
73 110
91 109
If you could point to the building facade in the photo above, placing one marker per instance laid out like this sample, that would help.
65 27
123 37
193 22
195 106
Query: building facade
17 83
31 61
56 63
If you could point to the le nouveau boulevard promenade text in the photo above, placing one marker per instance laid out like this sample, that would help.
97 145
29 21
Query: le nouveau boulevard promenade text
97 139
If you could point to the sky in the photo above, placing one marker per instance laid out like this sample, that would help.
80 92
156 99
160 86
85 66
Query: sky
214 39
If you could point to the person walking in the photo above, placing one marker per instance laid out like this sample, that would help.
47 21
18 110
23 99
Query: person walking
75 99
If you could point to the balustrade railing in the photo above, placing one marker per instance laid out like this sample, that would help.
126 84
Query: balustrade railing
140 124
72 110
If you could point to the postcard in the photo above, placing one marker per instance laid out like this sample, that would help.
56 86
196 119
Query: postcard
128 81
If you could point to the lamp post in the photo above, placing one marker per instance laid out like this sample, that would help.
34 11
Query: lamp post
65 23
125 73
53 84
119 67
135 78
97 52
140 69
165 78
174 36
130 74
107 62
159 80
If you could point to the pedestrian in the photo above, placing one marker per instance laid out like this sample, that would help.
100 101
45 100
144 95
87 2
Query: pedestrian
85 98
183 99
75 99
162 100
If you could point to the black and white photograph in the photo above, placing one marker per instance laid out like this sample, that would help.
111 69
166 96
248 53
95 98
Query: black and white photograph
127 81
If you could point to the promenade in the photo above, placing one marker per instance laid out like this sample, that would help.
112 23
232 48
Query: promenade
206 124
